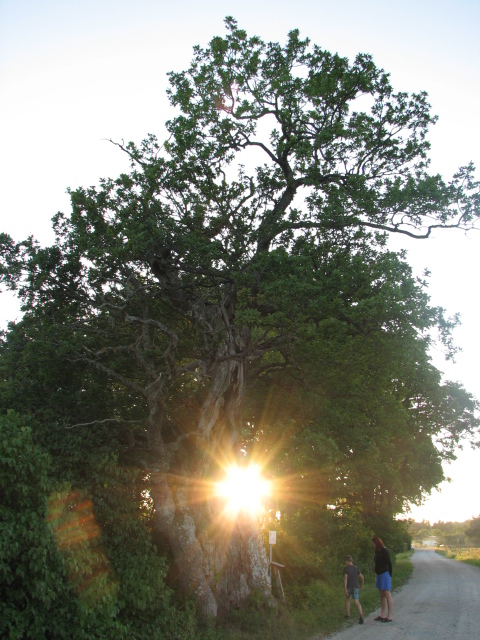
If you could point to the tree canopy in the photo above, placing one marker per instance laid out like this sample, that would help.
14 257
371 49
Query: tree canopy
234 298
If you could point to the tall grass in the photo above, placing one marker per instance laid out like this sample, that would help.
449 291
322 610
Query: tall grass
469 555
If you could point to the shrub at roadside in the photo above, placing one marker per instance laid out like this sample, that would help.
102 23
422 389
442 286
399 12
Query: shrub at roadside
75 563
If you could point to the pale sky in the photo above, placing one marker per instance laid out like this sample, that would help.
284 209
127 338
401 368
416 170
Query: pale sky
74 73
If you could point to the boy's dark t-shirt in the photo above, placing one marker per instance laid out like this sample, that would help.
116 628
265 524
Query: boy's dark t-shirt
352 573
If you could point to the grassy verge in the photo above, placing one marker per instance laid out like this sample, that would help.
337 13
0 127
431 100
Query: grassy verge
469 556
314 611
369 597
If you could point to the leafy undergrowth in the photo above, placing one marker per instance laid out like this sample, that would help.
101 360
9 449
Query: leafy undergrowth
468 555
314 610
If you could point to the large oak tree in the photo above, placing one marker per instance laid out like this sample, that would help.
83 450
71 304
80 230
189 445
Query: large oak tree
246 258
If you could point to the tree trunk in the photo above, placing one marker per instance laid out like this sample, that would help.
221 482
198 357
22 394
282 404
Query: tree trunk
219 561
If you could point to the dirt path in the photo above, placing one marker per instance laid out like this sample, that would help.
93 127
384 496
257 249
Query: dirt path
441 601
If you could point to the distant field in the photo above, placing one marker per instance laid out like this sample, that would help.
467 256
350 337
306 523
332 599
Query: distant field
469 555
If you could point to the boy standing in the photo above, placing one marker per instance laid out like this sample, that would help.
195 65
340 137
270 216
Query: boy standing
351 574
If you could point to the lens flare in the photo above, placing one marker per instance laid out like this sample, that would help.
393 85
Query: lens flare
243 489
77 535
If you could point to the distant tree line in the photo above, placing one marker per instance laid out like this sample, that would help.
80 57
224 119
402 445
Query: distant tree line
460 534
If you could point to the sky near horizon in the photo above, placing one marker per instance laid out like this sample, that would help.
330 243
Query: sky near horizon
76 73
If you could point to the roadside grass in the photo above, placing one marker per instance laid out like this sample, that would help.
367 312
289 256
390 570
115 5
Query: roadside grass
468 555
369 597
314 611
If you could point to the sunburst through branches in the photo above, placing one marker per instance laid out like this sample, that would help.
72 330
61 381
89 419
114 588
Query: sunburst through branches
243 489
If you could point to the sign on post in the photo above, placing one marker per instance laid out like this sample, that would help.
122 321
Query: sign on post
276 566
272 539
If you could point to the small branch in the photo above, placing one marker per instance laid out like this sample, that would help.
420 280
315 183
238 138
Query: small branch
129 153
118 420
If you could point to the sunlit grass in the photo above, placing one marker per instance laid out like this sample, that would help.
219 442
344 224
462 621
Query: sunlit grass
469 555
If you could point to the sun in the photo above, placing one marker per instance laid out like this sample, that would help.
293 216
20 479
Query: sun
244 489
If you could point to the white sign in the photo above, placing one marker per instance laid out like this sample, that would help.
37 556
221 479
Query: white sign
272 537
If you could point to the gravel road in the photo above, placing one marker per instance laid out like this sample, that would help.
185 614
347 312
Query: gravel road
441 601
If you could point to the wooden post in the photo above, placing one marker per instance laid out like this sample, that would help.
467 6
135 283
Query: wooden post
270 567
272 539
278 578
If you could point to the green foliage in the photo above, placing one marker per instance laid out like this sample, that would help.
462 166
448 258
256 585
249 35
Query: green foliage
450 534
73 567
193 266
473 530
35 599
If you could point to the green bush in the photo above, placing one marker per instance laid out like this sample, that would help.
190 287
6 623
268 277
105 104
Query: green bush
78 563
35 600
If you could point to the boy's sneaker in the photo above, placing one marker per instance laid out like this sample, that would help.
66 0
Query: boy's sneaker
347 617
360 620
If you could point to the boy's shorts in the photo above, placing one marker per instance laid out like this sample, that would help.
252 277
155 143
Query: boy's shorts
353 591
